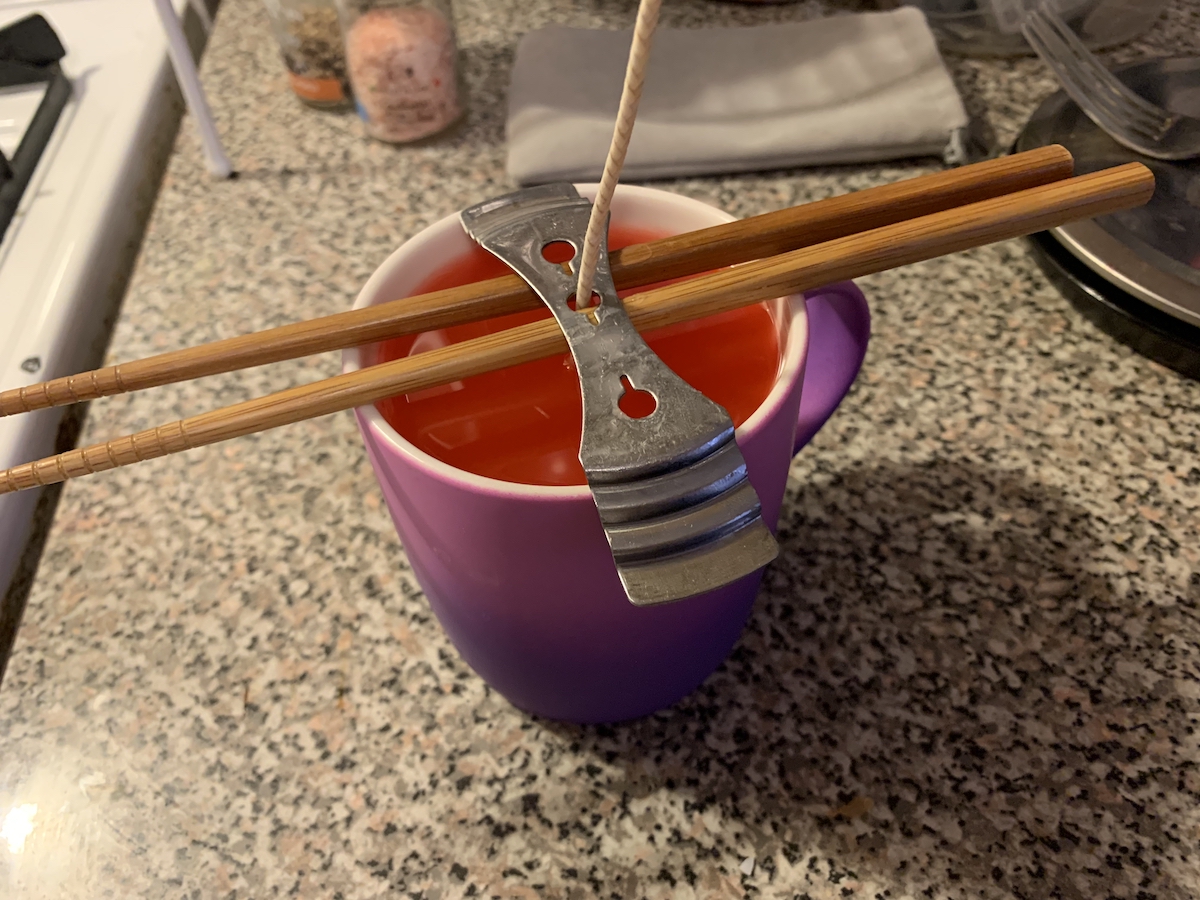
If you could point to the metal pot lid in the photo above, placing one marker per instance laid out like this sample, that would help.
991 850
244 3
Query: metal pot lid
1152 252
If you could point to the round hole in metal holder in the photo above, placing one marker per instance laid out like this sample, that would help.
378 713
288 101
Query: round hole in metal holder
558 252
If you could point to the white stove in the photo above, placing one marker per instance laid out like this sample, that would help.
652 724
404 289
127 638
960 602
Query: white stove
66 254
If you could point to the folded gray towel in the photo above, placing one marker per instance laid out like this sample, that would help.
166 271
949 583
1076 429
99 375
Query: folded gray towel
850 88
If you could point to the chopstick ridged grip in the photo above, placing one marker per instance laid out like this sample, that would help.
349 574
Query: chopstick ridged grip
952 230
62 391
494 351
143 445
671 257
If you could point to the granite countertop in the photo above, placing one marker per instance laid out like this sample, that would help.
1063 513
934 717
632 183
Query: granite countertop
972 673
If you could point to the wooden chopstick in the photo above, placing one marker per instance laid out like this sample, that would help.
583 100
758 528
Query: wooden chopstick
925 237
672 257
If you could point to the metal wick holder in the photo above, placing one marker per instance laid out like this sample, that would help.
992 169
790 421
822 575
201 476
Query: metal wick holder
680 514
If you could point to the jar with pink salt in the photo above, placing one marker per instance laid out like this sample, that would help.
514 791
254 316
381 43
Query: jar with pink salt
402 61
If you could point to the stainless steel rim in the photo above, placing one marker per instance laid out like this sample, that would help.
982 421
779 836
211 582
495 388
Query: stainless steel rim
1122 266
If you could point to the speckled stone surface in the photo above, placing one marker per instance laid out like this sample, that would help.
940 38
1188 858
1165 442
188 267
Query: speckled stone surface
972 673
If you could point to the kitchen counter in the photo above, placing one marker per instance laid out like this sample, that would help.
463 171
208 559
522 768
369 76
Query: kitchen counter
972 672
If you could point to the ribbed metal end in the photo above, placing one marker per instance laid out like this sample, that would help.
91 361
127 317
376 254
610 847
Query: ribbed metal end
484 221
686 531
705 568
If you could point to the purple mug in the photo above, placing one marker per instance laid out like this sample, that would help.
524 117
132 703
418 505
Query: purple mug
520 576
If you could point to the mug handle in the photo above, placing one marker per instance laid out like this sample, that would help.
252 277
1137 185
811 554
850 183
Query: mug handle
839 326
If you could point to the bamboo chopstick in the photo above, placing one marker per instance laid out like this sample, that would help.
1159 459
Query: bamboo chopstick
672 257
949 231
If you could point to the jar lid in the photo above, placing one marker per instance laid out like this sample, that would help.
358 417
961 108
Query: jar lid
1152 252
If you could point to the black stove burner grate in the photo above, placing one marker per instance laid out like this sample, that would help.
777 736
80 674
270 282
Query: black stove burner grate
29 54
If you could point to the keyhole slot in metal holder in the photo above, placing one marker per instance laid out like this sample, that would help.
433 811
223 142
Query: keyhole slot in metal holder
633 400
679 512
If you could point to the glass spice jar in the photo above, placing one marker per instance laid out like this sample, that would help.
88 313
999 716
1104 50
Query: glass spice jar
402 61
310 38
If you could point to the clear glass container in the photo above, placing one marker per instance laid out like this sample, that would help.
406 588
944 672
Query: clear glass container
993 27
310 38
402 61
